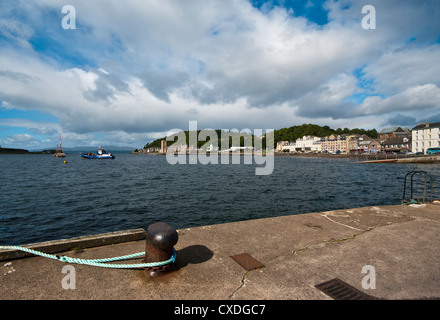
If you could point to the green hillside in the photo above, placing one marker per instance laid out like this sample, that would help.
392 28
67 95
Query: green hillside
221 134
285 134
295 132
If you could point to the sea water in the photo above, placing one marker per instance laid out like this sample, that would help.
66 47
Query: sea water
42 198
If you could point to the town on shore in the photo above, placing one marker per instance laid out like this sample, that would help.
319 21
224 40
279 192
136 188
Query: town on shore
423 139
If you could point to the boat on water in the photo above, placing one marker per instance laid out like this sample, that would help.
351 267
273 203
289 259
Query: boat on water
59 151
102 154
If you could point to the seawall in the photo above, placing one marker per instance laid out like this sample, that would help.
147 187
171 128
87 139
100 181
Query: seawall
398 245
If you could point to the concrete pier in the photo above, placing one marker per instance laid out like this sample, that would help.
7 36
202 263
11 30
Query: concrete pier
396 246
426 159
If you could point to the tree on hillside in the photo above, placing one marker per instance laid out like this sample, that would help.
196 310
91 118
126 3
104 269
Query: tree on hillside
285 134
295 132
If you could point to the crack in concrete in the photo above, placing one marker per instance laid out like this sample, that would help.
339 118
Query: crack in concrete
243 279
307 247
345 225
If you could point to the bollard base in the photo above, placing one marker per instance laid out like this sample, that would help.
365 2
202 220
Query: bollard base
159 246
154 272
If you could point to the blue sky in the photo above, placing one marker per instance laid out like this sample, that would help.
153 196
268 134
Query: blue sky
131 71
312 10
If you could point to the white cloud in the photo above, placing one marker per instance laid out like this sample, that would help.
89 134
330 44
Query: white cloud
38 127
398 70
21 140
155 65
415 99
15 31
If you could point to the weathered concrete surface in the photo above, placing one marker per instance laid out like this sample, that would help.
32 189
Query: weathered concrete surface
78 243
299 251
425 159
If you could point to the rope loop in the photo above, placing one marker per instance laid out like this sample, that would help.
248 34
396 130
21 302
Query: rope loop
97 262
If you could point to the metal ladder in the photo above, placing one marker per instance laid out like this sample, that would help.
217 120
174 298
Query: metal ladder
426 176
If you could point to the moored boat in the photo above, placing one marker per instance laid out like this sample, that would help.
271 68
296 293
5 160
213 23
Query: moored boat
102 154
59 151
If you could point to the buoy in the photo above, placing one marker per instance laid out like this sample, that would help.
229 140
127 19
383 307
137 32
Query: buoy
65 161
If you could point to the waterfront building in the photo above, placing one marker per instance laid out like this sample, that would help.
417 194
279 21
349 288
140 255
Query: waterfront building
375 146
352 143
334 143
280 145
308 144
304 144
151 150
316 146
288 147
397 145
393 132
163 146
425 136
358 144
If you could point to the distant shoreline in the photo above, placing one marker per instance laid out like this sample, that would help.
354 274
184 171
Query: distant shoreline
360 157
370 156
49 151
22 151
357 157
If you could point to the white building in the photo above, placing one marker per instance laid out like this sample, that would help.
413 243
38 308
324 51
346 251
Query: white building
280 145
425 136
286 145
304 144
308 144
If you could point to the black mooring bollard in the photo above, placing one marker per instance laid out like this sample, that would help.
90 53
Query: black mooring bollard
160 241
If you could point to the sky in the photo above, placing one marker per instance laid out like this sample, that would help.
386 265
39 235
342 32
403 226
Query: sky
124 73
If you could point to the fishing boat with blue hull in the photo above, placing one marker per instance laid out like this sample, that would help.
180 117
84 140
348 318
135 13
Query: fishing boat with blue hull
102 154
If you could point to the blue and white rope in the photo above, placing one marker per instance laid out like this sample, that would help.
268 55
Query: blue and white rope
97 262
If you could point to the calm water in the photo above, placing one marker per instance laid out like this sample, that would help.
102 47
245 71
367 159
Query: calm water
41 198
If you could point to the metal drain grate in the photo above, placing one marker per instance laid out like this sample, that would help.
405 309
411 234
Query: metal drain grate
339 290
